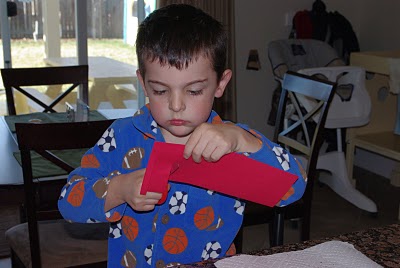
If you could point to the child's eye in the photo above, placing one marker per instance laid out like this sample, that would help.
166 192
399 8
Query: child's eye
195 92
159 92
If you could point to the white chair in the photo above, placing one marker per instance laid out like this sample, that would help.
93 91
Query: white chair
350 107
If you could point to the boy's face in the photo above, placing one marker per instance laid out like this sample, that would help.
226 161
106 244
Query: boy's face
180 100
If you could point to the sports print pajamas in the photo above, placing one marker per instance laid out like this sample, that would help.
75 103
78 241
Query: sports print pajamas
193 224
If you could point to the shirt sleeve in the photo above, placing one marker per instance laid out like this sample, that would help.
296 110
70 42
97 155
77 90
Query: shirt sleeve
82 198
276 156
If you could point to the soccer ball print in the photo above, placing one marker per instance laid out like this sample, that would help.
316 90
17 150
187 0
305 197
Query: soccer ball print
282 157
115 230
107 141
177 203
238 207
148 252
211 250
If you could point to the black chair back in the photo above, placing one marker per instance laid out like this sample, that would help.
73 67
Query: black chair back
292 120
20 78
42 138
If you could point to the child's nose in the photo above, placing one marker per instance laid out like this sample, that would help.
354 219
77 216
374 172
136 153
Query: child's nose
177 103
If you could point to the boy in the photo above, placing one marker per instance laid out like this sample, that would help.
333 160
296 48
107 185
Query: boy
181 53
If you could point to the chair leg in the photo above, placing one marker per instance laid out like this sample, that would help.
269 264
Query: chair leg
278 226
305 227
15 260
239 241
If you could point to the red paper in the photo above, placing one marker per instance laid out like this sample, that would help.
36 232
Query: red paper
234 175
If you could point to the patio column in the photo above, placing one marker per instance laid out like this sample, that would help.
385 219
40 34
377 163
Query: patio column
51 28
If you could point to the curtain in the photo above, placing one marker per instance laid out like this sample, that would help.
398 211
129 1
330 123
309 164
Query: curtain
223 11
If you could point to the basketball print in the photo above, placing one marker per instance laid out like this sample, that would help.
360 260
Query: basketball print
204 217
89 161
133 158
130 227
288 193
217 120
77 193
231 251
175 241
114 217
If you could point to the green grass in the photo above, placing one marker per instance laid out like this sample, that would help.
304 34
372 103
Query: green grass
30 53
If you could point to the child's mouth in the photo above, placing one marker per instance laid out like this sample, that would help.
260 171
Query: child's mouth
177 122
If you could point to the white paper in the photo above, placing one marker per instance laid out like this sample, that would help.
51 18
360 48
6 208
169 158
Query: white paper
328 254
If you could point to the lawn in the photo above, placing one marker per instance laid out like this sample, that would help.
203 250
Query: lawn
30 53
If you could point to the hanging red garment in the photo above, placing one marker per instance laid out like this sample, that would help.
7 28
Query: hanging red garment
302 24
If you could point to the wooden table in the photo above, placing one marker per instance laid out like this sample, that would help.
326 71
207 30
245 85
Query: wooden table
381 245
111 80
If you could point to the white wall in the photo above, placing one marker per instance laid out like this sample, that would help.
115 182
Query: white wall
259 22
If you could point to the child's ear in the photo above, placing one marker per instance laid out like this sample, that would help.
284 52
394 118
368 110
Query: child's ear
140 77
223 82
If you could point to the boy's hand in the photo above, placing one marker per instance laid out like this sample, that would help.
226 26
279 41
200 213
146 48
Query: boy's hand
126 188
212 141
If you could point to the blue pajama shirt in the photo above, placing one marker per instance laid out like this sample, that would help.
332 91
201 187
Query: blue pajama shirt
193 224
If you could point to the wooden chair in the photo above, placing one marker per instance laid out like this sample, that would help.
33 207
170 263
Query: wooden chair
44 241
293 119
20 78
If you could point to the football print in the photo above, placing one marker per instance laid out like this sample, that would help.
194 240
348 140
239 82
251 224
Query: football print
107 141
128 260
133 158
211 250
282 156
177 203
100 187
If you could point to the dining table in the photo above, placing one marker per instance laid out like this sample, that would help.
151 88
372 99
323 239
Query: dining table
112 81
380 244
11 177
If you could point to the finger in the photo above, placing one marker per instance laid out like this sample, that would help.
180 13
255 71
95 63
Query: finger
153 196
217 154
208 151
191 143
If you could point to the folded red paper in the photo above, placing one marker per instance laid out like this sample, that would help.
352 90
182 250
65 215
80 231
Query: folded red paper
234 174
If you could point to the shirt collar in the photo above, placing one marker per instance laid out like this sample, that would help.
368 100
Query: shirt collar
145 123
